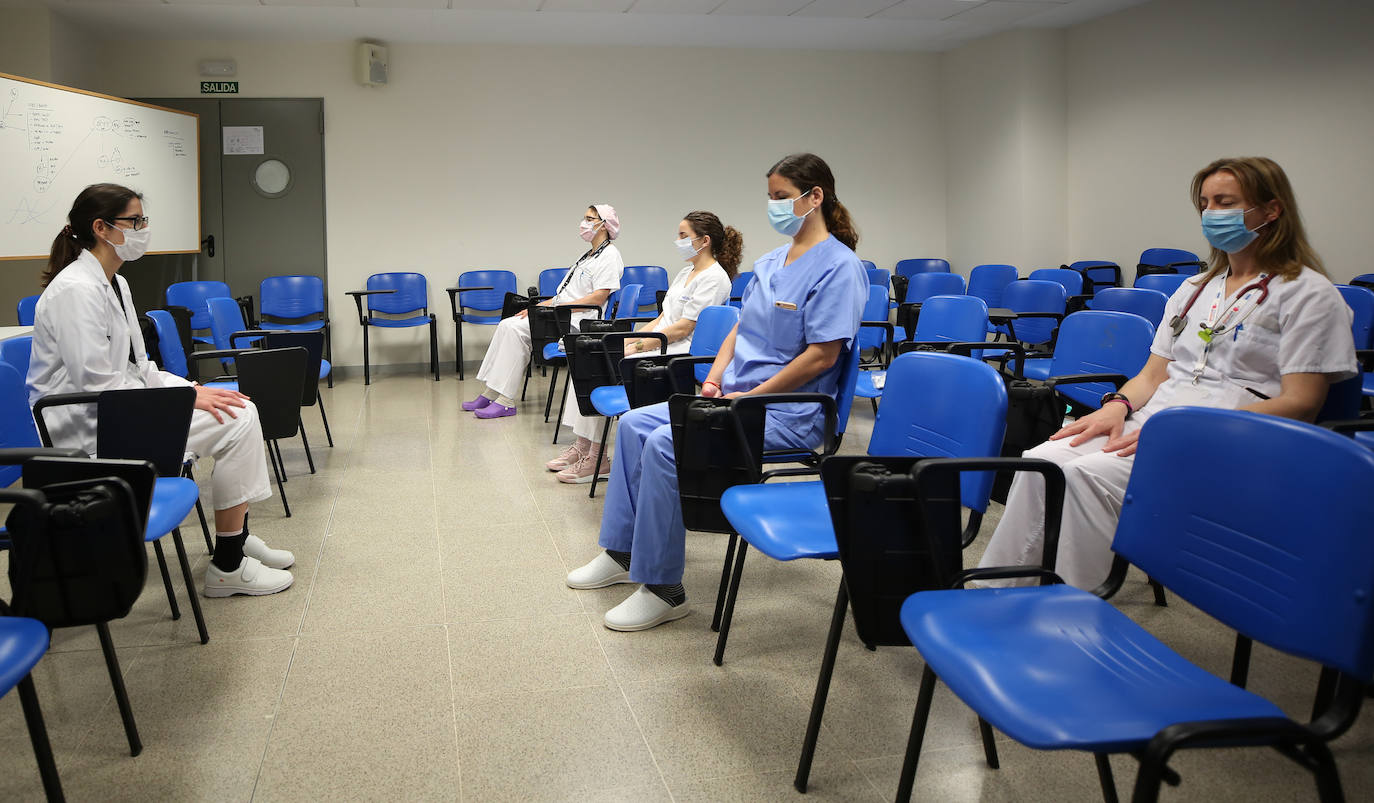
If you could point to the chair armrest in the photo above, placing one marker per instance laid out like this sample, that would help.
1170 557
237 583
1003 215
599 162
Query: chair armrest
830 444
217 354
358 301
966 348
636 320
1349 427
453 298
1076 303
613 369
1058 318
59 400
1006 573
13 457
682 371
245 333
584 307
1078 379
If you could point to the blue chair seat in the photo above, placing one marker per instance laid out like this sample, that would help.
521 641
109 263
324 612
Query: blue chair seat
22 644
173 498
226 385
400 323
1038 368
553 352
864 386
804 532
304 326
1367 383
898 334
610 400
325 368
1087 677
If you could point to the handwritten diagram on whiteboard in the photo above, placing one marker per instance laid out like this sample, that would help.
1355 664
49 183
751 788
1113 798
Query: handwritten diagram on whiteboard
55 141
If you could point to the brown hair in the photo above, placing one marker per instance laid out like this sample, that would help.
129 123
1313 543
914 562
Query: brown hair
727 244
1282 246
96 202
807 170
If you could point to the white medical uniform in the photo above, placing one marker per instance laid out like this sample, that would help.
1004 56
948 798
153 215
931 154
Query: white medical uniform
82 337
684 301
503 367
1302 327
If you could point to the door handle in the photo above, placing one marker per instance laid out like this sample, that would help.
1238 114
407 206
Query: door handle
209 245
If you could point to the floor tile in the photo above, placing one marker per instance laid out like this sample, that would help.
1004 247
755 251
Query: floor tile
504 656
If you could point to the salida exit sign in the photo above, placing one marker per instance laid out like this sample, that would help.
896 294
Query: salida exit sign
219 87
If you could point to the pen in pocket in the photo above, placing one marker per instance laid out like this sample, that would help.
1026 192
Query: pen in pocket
1257 393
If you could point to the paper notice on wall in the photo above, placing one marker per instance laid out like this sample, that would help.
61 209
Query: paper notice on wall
243 140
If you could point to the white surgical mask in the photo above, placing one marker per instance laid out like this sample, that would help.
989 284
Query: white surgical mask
134 246
685 250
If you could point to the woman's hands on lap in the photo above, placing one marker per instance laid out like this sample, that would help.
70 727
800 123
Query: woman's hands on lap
1108 421
219 400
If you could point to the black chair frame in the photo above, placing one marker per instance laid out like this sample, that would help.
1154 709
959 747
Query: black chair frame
594 361
365 321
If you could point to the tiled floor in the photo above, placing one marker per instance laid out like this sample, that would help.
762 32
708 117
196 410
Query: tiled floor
429 650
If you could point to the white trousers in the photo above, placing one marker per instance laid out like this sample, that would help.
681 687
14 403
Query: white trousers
1094 485
503 368
584 426
240 473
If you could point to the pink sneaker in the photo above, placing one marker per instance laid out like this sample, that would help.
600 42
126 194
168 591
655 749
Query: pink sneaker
476 404
494 410
569 456
581 472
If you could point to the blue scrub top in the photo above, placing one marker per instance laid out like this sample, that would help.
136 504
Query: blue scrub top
818 298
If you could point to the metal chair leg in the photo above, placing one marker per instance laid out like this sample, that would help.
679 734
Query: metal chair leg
166 579
563 401
1104 777
989 744
200 511
126 711
548 403
38 736
730 603
724 582
1240 661
367 365
458 349
1326 691
329 353
917 737
281 461
596 470
434 347
190 585
309 458
813 725
1160 600
284 504
325 419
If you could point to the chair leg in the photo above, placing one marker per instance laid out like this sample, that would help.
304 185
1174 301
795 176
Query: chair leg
190 586
1160 599
562 402
1104 777
730 596
813 725
281 461
329 355
205 528
325 420
458 349
548 403
918 735
38 736
434 347
1326 691
167 579
1240 661
596 470
724 582
525 386
285 506
309 458
126 711
989 744
367 365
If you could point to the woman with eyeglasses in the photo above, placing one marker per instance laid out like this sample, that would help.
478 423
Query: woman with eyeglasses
1263 330
86 338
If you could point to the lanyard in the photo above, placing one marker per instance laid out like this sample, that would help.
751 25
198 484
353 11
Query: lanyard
1247 301
589 255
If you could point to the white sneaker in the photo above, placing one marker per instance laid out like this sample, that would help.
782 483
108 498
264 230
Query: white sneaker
251 577
254 547
643 610
602 571
570 455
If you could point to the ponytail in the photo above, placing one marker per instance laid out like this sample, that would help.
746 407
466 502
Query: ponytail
96 202
727 244
731 250
840 224
807 170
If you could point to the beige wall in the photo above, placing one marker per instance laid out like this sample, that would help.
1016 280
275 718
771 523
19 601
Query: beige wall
25 50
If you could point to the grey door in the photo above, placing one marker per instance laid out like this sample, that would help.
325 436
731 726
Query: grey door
264 210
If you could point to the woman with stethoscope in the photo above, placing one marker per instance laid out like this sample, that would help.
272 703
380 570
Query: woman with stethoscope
590 280
86 338
1263 330
712 252
799 314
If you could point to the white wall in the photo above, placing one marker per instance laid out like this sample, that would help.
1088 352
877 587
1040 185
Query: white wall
1157 91
484 156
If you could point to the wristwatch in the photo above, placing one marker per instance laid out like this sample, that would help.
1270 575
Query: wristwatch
1118 397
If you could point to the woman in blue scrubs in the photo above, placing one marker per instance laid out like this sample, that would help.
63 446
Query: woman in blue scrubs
799 314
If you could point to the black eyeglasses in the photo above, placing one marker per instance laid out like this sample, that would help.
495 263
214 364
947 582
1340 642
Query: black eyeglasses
140 221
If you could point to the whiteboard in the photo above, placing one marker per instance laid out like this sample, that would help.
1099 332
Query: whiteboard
55 141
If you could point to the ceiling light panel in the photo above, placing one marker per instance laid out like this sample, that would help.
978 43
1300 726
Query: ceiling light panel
674 6
314 3
844 8
195 3
603 6
925 9
495 5
995 12
761 8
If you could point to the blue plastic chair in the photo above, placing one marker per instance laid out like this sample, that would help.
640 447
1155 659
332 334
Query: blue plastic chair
480 307
1169 260
1057 668
1364 280
878 334
1039 307
924 285
1094 343
1148 304
27 306
1166 283
406 294
192 296
549 281
868 264
651 279
1071 279
967 418
1097 274
1361 303
296 304
737 285
23 642
879 277
627 303
911 267
988 282
951 319
16 351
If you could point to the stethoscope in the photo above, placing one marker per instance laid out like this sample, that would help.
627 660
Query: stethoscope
1209 331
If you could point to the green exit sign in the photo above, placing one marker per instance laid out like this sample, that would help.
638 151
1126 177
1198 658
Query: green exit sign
219 87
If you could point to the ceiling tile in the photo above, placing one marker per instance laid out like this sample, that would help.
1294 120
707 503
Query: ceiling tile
495 5
997 12
674 6
192 3
844 8
314 3
603 6
760 8
926 9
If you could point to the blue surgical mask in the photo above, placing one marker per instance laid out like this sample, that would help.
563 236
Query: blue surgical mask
1225 229
784 220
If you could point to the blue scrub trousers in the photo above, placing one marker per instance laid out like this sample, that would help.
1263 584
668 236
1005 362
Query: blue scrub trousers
642 515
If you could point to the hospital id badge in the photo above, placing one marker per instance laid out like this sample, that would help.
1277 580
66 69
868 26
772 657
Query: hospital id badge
785 305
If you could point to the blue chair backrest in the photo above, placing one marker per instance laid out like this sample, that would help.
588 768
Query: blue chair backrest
737 286
1166 283
1361 302
226 318
869 264
504 281
1363 280
651 279
924 285
1293 576
27 305
1097 272
848 380
1095 342
967 418
946 319
169 343
876 308
550 279
713 326
412 293
284 297
627 303
988 281
1071 279
879 277
1160 257
1034 296
1148 304
16 351
911 267
17 430
193 295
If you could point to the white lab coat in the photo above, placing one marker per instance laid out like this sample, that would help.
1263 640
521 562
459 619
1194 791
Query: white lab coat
81 342
1302 327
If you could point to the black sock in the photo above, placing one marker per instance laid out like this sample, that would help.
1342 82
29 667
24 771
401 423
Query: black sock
623 558
673 594
229 551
